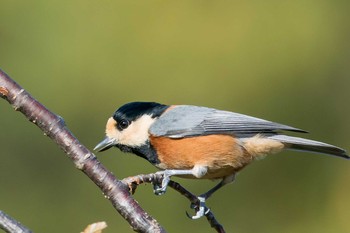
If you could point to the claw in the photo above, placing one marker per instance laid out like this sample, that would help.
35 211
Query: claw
201 210
157 189
161 189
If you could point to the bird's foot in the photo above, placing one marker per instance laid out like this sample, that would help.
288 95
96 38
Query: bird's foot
200 208
160 186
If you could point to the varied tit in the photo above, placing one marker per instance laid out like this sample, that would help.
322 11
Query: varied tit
199 142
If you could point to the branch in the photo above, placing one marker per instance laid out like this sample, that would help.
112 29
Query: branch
10 225
54 127
155 178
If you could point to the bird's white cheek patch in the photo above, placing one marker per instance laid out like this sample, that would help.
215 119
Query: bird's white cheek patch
137 132
111 129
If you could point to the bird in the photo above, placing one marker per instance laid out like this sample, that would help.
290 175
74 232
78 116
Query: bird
200 143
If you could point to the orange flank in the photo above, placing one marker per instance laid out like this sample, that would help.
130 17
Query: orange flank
221 154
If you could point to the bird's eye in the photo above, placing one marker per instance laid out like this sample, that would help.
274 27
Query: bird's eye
123 124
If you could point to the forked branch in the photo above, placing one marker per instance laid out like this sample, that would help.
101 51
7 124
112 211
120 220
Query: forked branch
155 178
115 190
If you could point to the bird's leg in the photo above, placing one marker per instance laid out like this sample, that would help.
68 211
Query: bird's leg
160 189
201 208
197 171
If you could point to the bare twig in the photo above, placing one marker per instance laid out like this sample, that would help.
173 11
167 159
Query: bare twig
155 178
194 200
54 127
11 225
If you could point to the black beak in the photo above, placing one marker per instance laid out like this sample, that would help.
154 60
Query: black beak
105 144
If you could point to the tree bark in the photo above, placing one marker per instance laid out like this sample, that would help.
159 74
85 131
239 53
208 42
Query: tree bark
10 225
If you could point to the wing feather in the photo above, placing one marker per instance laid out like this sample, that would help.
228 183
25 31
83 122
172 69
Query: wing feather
188 121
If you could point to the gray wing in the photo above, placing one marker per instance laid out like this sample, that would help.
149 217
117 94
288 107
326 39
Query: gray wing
187 121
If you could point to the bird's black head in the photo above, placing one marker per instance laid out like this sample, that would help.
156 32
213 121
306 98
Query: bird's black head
131 112
129 125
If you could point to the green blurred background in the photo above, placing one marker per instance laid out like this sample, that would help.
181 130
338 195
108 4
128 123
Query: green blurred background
286 61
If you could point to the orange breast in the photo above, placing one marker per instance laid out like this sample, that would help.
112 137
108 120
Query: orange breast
222 154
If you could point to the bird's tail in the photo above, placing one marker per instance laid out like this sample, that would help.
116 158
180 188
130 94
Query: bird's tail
302 144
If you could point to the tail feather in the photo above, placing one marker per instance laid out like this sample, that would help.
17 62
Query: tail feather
302 144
